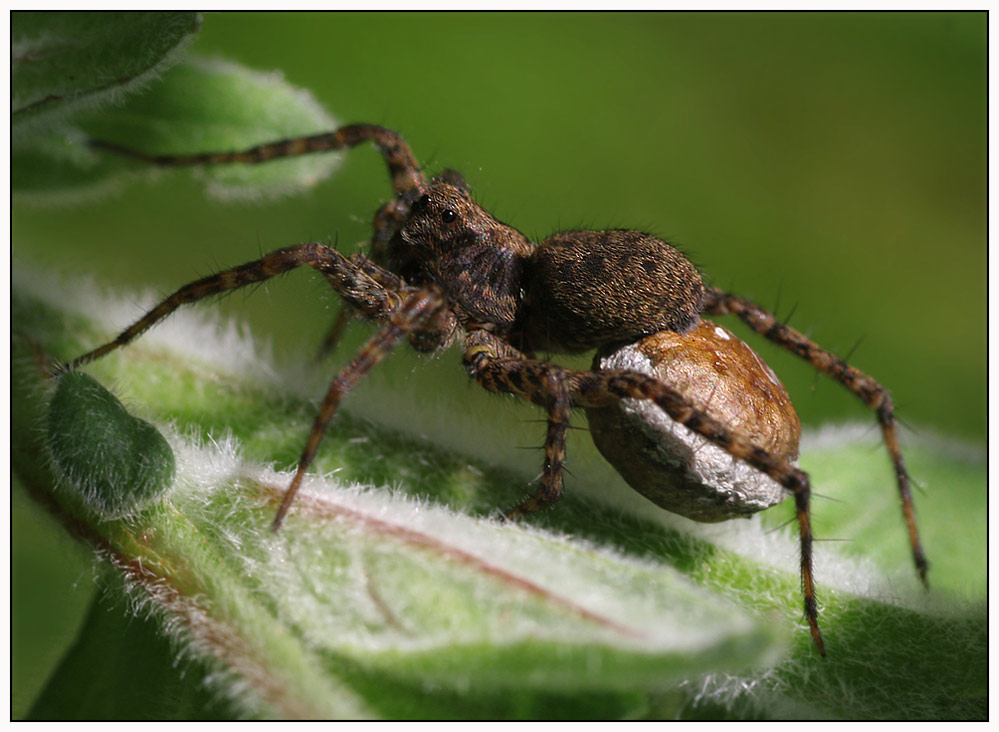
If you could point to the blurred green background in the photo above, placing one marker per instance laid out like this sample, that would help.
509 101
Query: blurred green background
833 162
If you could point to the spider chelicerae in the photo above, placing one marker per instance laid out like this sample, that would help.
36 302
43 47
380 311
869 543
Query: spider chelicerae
441 270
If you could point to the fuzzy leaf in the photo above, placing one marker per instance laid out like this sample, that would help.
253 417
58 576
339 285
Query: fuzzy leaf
88 426
67 61
199 106
368 598
362 582
123 667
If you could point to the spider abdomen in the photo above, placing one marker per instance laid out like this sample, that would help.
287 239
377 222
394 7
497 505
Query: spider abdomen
584 289
675 467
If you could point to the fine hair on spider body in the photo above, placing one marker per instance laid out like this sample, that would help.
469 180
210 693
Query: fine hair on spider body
441 270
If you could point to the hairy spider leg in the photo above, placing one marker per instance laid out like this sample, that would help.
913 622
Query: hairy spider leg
407 177
387 221
408 181
559 405
407 310
869 391
318 256
526 379
496 366
332 338
418 307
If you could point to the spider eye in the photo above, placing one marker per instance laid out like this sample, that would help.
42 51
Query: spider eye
447 216
422 202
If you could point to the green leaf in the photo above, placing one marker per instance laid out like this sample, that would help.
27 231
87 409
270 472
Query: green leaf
362 582
368 598
199 106
67 61
88 426
123 667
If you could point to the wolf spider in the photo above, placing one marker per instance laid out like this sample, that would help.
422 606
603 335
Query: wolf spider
443 270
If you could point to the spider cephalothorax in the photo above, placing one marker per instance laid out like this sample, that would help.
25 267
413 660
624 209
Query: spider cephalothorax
442 269
476 261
